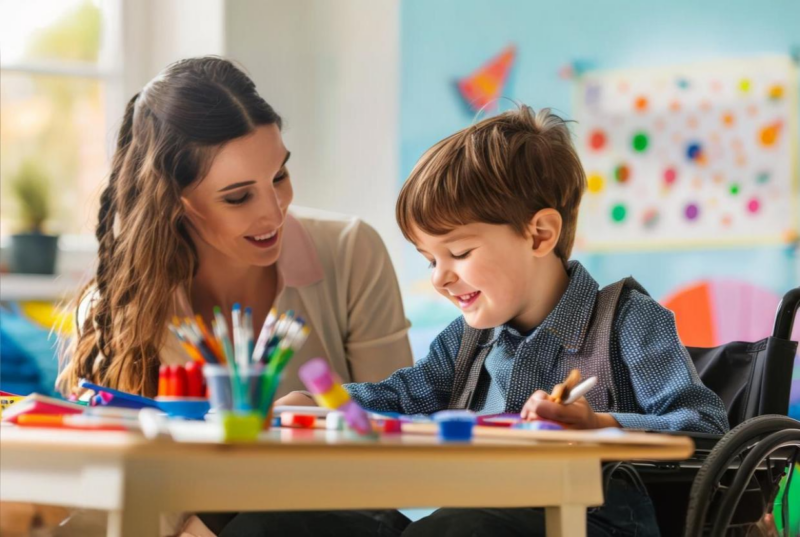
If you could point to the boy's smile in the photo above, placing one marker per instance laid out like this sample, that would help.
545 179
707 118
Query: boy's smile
467 300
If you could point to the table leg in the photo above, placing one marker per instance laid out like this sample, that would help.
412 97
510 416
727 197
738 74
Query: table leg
565 521
134 521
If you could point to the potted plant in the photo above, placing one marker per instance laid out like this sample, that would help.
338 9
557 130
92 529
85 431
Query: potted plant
33 251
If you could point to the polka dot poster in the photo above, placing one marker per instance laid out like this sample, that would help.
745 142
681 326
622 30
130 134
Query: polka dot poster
689 155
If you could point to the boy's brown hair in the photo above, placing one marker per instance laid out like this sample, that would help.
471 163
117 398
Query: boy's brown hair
502 170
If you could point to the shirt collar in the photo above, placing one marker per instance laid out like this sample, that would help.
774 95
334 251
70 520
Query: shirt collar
298 263
569 320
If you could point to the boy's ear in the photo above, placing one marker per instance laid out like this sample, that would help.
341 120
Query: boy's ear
544 231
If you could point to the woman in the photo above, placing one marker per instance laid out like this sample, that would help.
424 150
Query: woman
196 215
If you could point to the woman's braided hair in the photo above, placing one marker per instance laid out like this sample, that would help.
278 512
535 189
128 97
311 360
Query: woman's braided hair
169 136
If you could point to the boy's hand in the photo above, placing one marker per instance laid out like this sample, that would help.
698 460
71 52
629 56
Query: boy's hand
578 415
295 399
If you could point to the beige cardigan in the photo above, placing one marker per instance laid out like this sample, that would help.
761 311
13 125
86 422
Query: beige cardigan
335 272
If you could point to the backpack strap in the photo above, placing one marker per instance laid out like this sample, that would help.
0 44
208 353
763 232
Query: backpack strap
594 356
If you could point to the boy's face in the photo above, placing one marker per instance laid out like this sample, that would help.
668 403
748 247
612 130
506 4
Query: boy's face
487 270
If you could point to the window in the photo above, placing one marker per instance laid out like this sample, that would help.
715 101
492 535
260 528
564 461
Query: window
59 86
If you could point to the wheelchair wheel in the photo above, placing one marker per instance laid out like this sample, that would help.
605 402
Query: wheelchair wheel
708 490
788 438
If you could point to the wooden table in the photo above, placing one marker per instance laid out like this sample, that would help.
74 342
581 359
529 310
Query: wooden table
135 479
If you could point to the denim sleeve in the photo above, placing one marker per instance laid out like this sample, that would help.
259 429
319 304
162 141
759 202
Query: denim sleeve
422 388
665 382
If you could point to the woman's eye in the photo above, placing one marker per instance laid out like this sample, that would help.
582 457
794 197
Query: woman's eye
283 174
238 201
462 256
432 265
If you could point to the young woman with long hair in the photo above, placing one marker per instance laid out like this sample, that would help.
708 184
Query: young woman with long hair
196 214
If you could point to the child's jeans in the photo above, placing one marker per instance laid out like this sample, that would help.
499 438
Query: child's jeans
627 511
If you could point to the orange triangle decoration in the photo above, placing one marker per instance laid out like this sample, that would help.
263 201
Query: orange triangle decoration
485 85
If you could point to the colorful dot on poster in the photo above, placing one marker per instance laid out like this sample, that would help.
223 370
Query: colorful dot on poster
618 213
728 119
719 177
752 110
623 86
682 83
741 160
691 122
705 105
744 85
670 176
697 182
692 211
675 106
597 139
595 183
769 134
592 93
762 178
622 173
640 141
727 220
640 104
734 189
753 205
650 218
660 124
776 92
694 151
716 86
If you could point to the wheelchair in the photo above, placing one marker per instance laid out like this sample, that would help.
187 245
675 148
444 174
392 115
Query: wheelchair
729 486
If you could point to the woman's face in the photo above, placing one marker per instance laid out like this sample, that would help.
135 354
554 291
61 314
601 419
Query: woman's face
238 209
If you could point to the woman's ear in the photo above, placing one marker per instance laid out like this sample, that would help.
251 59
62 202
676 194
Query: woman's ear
191 212
544 230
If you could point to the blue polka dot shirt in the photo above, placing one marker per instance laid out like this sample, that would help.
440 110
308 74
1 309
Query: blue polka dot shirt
656 382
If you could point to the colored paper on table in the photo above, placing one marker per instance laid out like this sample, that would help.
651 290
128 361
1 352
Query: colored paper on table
40 404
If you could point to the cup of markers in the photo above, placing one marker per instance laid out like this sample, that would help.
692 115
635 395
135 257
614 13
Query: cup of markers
242 374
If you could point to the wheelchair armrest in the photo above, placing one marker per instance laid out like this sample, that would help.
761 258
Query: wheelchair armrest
702 441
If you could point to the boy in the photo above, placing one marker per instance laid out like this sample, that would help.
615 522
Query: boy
493 208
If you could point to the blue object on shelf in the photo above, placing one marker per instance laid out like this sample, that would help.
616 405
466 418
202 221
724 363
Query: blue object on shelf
28 357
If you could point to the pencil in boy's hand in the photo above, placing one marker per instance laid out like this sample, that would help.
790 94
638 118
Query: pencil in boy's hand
561 391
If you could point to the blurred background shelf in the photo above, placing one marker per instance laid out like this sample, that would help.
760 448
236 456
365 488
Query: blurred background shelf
21 287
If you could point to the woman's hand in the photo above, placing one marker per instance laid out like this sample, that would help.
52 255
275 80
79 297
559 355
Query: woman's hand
295 399
578 415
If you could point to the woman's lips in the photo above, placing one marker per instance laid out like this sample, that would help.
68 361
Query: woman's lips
264 243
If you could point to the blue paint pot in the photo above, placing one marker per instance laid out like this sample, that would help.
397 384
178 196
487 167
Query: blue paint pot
455 425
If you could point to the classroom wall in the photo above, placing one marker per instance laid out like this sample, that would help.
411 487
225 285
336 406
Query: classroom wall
447 39
331 69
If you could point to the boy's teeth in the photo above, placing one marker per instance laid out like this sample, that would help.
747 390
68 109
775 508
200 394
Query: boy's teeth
464 298
265 237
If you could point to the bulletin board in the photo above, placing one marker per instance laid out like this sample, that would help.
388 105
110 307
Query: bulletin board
694 155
